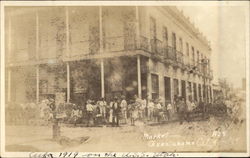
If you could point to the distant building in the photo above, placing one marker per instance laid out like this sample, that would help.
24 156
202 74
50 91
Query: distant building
93 52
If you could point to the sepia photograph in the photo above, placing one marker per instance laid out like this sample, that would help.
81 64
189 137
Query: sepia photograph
124 79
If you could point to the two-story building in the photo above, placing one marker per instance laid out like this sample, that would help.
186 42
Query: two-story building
101 51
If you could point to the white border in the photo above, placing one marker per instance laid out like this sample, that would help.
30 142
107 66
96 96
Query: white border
116 3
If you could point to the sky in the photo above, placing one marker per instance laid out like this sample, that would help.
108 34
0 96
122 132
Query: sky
225 28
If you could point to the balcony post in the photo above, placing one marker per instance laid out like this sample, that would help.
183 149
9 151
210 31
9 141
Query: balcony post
137 27
68 82
37 84
101 51
139 75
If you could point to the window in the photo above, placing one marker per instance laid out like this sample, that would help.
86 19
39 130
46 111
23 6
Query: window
193 59
187 49
187 53
174 41
181 45
198 59
165 37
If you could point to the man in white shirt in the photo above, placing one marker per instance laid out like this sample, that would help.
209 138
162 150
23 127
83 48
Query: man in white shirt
89 108
150 109
124 106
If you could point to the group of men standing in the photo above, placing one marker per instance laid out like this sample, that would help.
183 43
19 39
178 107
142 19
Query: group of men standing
119 109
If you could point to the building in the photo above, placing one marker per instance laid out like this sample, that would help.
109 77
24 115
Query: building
92 52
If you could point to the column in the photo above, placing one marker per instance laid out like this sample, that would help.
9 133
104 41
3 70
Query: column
9 86
172 89
212 94
101 51
102 79
197 91
68 82
192 90
149 81
179 87
208 93
37 84
67 52
202 98
137 27
67 30
186 90
162 89
139 75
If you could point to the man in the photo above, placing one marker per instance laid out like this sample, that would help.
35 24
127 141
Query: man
169 109
116 111
143 108
124 107
102 106
181 110
190 107
90 109
150 109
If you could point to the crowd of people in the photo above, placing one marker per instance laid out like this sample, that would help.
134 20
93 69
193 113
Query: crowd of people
100 112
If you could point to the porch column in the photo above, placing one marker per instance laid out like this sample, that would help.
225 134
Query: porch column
101 51
172 89
197 91
202 92
208 93
212 93
137 27
139 75
68 82
37 84
179 87
149 80
192 90
186 90
102 79
9 86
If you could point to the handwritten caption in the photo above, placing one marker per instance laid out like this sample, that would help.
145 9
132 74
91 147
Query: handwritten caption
107 154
